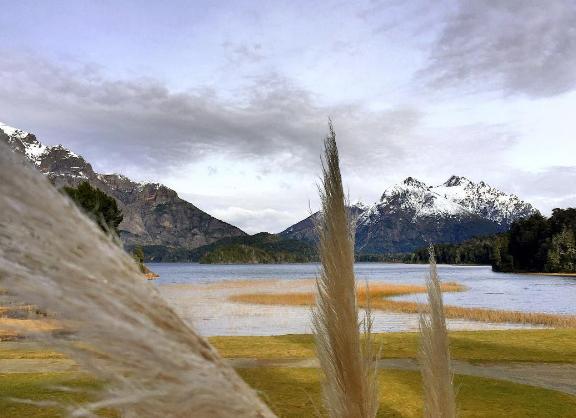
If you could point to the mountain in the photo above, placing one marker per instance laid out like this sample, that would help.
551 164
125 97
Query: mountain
411 214
305 229
154 215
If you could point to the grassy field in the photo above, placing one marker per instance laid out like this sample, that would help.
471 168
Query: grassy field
293 392
43 387
379 299
540 345
296 393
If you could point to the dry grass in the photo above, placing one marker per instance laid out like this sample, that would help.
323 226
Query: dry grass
11 311
155 364
151 276
380 292
434 353
376 291
348 362
11 328
551 274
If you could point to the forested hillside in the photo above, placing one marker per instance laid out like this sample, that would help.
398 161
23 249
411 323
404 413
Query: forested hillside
534 244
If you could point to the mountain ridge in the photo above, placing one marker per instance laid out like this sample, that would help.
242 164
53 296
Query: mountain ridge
153 213
408 216
412 214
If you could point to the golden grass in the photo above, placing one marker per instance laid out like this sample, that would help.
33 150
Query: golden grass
151 276
380 292
14 328
552 274
17 309
434 354
343 341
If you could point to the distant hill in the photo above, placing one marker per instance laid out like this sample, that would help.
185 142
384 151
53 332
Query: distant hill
154 215
411 214
262 248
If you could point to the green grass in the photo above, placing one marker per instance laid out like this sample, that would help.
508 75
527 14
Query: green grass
43 387
549 345
296 393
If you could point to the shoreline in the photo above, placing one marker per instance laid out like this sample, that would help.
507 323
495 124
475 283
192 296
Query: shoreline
208 307
552 274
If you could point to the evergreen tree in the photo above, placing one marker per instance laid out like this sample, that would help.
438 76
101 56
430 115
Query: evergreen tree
138 255
528 243
562 252
102 208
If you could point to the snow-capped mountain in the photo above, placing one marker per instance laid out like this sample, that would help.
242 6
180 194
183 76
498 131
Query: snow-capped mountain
154 215
412 213
484 200
458 196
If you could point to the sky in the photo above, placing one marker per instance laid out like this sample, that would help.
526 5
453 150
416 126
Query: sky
228 102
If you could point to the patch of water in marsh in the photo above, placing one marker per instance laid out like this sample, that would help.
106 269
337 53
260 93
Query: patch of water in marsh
207 306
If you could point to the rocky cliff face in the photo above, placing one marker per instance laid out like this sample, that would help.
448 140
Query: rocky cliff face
411 214
153 213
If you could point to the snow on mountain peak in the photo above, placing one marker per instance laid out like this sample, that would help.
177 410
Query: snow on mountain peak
359 205
13 132
457 196
412 182
416 196
24 142
456 181
484 200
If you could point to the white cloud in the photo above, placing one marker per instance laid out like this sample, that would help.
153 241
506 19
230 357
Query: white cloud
254 221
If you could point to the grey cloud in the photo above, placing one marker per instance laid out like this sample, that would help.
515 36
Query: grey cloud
523 47
547 189
142 123
473 150
550 182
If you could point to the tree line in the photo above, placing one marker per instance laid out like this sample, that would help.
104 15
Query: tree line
533 244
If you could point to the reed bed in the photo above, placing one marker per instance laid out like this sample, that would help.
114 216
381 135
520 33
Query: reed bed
379 290
380 293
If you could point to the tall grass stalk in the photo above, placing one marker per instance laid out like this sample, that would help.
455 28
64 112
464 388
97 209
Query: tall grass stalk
435 362
152 362
347 360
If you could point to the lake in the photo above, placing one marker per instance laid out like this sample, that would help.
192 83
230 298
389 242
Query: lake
521 292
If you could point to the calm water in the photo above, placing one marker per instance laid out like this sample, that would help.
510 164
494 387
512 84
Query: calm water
487 289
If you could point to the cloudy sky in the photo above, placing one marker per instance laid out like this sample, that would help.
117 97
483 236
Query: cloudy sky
227 102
